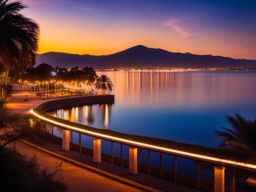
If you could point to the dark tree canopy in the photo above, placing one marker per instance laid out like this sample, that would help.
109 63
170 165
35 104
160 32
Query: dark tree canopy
41 72
18 38
47 72
76 74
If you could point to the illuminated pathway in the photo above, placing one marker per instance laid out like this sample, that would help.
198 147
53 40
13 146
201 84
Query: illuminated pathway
17 104
77 179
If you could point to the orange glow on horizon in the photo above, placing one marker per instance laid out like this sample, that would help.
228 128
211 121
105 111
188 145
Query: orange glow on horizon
58 37
97 31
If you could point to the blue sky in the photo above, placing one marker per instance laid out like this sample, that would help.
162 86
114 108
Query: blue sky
218 27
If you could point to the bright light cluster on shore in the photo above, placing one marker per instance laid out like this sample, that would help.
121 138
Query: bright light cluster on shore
58 85
162 69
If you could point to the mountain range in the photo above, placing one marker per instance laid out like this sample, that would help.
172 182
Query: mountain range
143 57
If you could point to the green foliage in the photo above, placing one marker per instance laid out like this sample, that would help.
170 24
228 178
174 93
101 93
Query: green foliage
240 137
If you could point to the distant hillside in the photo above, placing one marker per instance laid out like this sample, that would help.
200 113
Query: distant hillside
141 56
64 59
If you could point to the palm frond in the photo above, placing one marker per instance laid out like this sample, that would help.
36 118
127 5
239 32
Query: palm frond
240 136
103 83
19 37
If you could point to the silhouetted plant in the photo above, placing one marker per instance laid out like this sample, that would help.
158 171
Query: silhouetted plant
240 137
20 174
12 126
4 83
104 84
18 39
40 72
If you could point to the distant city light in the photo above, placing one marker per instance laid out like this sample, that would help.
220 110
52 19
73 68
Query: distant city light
53 73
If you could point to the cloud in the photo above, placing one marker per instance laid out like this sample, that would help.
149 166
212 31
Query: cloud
83 8
37 2
174 24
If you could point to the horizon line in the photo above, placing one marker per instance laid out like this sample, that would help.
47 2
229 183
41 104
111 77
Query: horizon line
73 53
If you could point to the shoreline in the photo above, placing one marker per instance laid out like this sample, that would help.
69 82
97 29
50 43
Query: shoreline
166 69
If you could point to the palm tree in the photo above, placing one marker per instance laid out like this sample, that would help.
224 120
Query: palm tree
240 138
18 38
104 83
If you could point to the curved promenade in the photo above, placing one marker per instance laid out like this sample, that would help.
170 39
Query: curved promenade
84 179
218 158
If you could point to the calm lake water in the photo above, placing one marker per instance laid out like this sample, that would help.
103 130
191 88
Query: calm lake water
183 106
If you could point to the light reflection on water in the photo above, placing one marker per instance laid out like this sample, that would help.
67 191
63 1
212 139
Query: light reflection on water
183 106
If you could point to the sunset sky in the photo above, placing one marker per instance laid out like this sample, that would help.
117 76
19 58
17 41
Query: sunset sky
218 27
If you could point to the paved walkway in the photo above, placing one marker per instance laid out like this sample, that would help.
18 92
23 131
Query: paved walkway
22 101
77 178
106 168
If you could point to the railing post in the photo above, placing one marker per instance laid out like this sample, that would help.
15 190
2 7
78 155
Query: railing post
149 161
198 176
161 165
96 150
174 169
48 129
112 152
65 140
219 179
80 143
233 181
71 136
133 160
121 154
52 134
42 124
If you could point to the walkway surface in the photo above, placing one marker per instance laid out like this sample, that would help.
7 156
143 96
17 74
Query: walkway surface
77 178
22 101
154 183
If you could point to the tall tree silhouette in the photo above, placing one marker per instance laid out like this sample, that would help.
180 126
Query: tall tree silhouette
18 38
